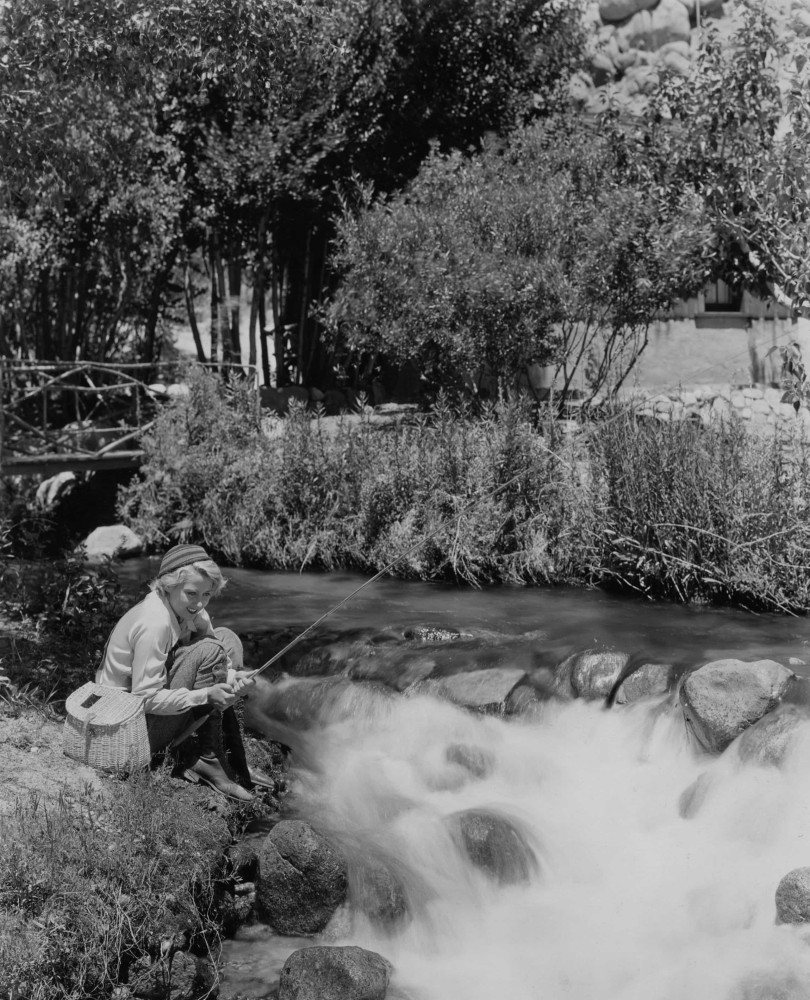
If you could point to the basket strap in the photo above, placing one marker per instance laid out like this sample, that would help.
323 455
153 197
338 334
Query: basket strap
86 729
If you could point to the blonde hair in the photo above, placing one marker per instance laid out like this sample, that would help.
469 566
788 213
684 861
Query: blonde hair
163 584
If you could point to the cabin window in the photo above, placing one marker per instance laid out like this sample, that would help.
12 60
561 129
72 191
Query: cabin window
721 297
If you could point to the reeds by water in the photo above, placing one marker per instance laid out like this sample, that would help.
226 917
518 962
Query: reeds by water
672 510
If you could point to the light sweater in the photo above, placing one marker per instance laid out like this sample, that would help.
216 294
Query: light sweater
137 651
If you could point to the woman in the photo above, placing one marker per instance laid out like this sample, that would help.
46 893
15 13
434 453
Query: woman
166 650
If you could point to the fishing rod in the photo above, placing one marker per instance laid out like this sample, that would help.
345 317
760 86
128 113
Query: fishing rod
195 725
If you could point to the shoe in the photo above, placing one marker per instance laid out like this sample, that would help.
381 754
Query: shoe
261 779
210 771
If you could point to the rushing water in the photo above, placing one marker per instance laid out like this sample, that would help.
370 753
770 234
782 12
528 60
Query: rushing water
630 900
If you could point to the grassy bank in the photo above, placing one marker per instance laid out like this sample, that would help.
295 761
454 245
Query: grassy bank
93 885
101 880
671 510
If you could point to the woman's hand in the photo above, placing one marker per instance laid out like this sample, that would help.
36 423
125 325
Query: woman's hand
242 680
221 695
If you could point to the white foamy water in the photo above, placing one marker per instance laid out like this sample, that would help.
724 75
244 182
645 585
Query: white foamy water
631 901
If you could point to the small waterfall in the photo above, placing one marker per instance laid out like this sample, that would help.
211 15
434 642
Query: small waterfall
630 895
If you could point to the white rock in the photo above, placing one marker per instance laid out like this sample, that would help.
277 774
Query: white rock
114 541
178 389
752 392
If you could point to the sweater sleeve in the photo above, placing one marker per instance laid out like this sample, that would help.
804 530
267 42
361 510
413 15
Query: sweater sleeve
150 651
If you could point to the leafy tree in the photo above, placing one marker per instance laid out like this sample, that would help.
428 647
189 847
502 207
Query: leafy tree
738 134
556 248
139 138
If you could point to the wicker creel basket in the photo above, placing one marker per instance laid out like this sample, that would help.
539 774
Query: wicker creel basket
106 728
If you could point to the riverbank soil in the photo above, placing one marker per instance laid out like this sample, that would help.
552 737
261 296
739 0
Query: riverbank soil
32 761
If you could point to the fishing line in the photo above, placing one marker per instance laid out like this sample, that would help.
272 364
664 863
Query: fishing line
366 583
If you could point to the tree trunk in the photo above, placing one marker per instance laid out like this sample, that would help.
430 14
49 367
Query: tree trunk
263 339
222 300
188 292
234 304
276 288
214 325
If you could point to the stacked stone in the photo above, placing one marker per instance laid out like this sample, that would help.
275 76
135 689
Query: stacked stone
762 407
636 42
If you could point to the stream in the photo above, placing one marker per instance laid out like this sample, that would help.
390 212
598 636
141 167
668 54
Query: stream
627 898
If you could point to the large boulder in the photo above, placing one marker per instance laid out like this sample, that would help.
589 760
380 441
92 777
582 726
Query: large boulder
650 680
670 23
590 674
725 697
482 690
793 897
434 633
302 879
768 740
494 845
331 973
620 10
113 541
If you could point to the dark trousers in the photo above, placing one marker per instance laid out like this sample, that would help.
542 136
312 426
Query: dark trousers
200 663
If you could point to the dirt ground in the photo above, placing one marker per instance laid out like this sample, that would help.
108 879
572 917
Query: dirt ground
32 761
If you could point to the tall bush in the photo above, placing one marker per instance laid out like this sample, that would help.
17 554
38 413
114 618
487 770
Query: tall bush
555 249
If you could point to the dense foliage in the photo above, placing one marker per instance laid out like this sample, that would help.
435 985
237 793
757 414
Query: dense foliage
666 510
737 133
143 139
557 249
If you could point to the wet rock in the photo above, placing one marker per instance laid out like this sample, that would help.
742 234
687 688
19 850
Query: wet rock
650 680
114 541
482 690
590 674
523 700
771 985
494 845
693 797
768 740
396 670
189 977
725 697
302 879
473 759
793 897
379 894
434 633
297 702
331 973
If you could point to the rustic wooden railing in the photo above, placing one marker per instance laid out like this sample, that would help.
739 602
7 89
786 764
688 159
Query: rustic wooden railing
59 416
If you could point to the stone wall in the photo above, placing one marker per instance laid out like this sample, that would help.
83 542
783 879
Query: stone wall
635 42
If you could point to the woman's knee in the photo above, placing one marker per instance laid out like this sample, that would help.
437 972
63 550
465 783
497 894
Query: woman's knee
203 663
233 646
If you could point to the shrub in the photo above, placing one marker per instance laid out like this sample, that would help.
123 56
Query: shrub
501 495
695 513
